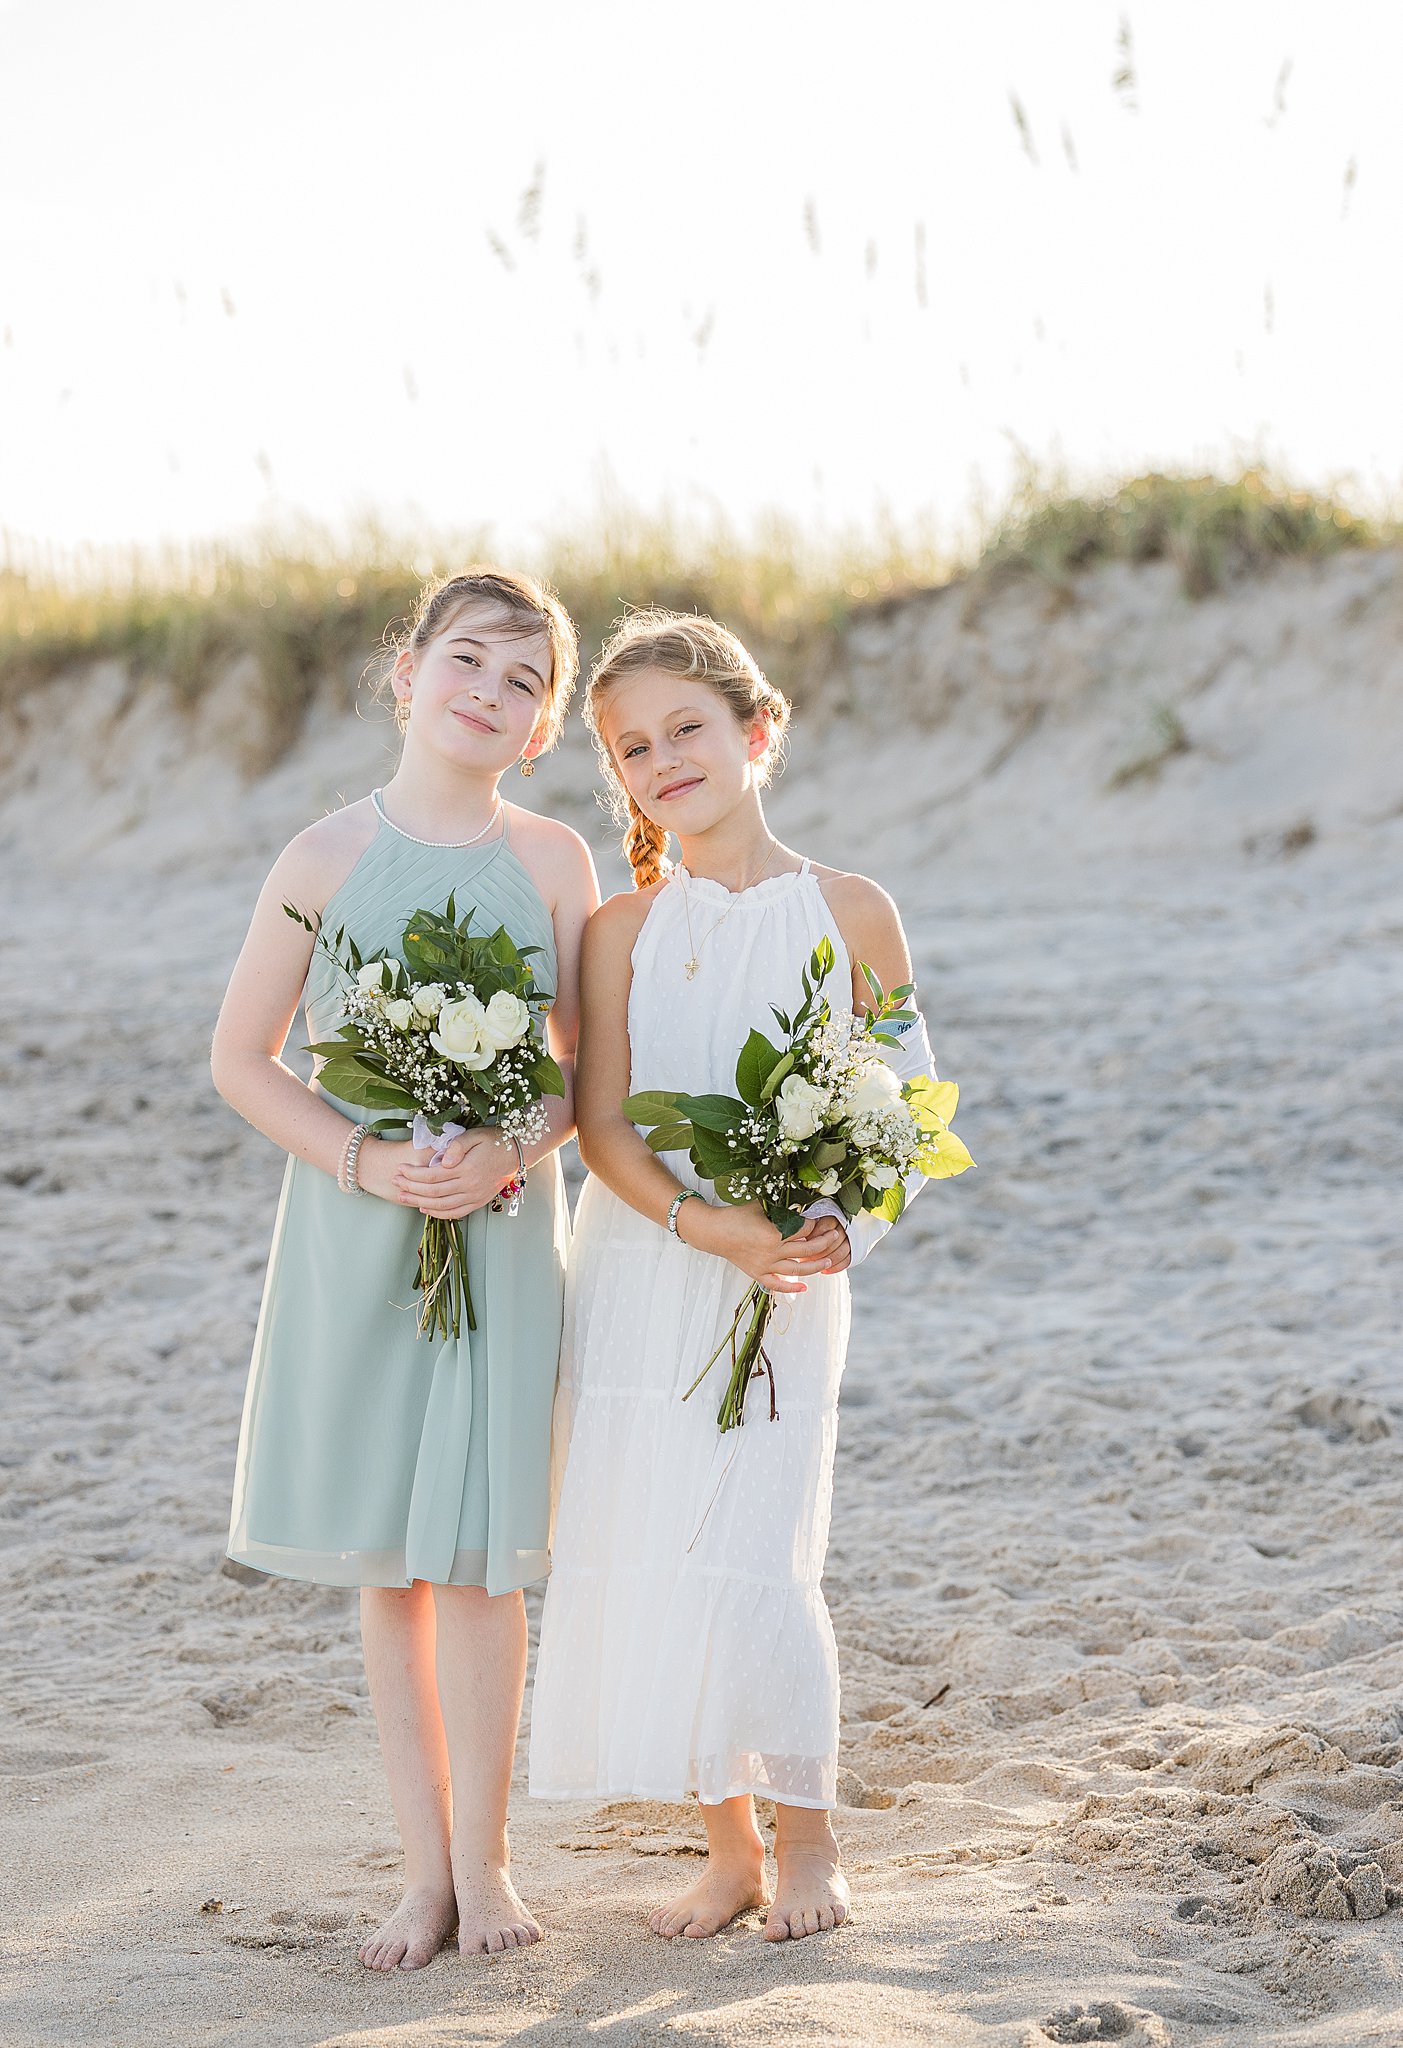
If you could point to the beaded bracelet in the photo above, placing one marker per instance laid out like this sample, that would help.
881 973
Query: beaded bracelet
684 1195
509 1195
346 1173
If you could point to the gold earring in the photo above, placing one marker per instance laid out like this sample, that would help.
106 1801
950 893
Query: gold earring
527 767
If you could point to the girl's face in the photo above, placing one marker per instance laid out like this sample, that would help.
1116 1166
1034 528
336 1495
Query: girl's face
681 752
477 691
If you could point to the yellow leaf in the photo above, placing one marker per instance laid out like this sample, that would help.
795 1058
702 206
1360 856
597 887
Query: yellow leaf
944 1157
944 1099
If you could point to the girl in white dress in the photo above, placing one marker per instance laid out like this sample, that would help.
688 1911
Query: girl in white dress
685 1644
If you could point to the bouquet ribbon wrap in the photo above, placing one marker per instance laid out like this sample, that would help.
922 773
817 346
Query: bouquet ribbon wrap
438 1143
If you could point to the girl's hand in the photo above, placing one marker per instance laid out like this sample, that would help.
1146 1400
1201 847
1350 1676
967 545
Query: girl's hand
380 1160
745 1235
475 1167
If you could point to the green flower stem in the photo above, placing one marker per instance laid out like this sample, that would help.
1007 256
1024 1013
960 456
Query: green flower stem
442 1279
747 1360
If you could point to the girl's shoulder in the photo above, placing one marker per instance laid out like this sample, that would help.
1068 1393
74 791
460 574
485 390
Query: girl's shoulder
557 859
613 930
311 868
871 928
855 898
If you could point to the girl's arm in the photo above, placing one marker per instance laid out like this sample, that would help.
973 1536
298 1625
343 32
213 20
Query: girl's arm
260 1004
476 1165
612 1148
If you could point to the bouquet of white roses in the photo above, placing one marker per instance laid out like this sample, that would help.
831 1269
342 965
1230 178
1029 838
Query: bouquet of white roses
449 1035
821 1116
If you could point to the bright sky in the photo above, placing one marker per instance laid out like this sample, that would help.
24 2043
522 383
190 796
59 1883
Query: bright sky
281 259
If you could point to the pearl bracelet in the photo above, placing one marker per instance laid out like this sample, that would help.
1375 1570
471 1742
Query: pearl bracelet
346 1173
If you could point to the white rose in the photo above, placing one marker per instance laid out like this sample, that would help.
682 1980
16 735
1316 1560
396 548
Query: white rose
878 1176
507 1021
829 1184
459 1035
802 1109
430 999
875 1091
372 975
400 1014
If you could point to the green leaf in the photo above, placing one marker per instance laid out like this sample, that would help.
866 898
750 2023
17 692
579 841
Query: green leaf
713 1112
783 1022
671 1138
712 1154
650 1106
892 1203
782 1066
757 1059
879 996
849 1197
829 1152
547 1075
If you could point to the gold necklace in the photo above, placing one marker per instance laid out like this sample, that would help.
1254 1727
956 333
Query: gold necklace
690 966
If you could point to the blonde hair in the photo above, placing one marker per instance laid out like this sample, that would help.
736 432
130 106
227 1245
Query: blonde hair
531 606
694 648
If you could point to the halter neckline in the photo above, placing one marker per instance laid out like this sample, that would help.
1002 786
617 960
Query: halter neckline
446 845
684 874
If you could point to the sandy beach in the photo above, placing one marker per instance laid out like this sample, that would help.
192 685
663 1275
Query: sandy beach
1116 1553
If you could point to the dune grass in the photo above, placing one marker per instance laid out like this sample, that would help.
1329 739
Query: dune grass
304 610
1211 528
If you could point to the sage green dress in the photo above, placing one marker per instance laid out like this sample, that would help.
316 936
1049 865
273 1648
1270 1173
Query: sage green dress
369 1455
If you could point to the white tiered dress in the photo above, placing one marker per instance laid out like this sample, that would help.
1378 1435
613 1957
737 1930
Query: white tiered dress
685 1643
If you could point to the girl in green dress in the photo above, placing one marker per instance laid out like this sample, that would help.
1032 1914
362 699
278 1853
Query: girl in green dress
415 1468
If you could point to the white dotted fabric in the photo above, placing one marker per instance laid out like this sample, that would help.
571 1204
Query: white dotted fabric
685 1644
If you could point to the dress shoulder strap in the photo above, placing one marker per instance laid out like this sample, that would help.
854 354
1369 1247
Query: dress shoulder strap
804 865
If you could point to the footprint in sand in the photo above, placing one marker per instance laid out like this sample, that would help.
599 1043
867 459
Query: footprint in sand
38 1763
1106 2019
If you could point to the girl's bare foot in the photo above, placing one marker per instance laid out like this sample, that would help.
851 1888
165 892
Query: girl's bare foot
729 1885
414 1932
812 1895
491 1917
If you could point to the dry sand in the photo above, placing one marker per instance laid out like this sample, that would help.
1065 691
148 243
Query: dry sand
1115 1563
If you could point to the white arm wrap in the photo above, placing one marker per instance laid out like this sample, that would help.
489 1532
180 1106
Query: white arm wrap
910 1056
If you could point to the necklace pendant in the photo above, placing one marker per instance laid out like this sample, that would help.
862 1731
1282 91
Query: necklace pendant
690 967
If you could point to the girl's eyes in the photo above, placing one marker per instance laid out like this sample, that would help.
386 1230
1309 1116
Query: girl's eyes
693 725
520 682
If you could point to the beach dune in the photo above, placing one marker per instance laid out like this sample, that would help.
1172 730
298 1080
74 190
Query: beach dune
1117 1558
